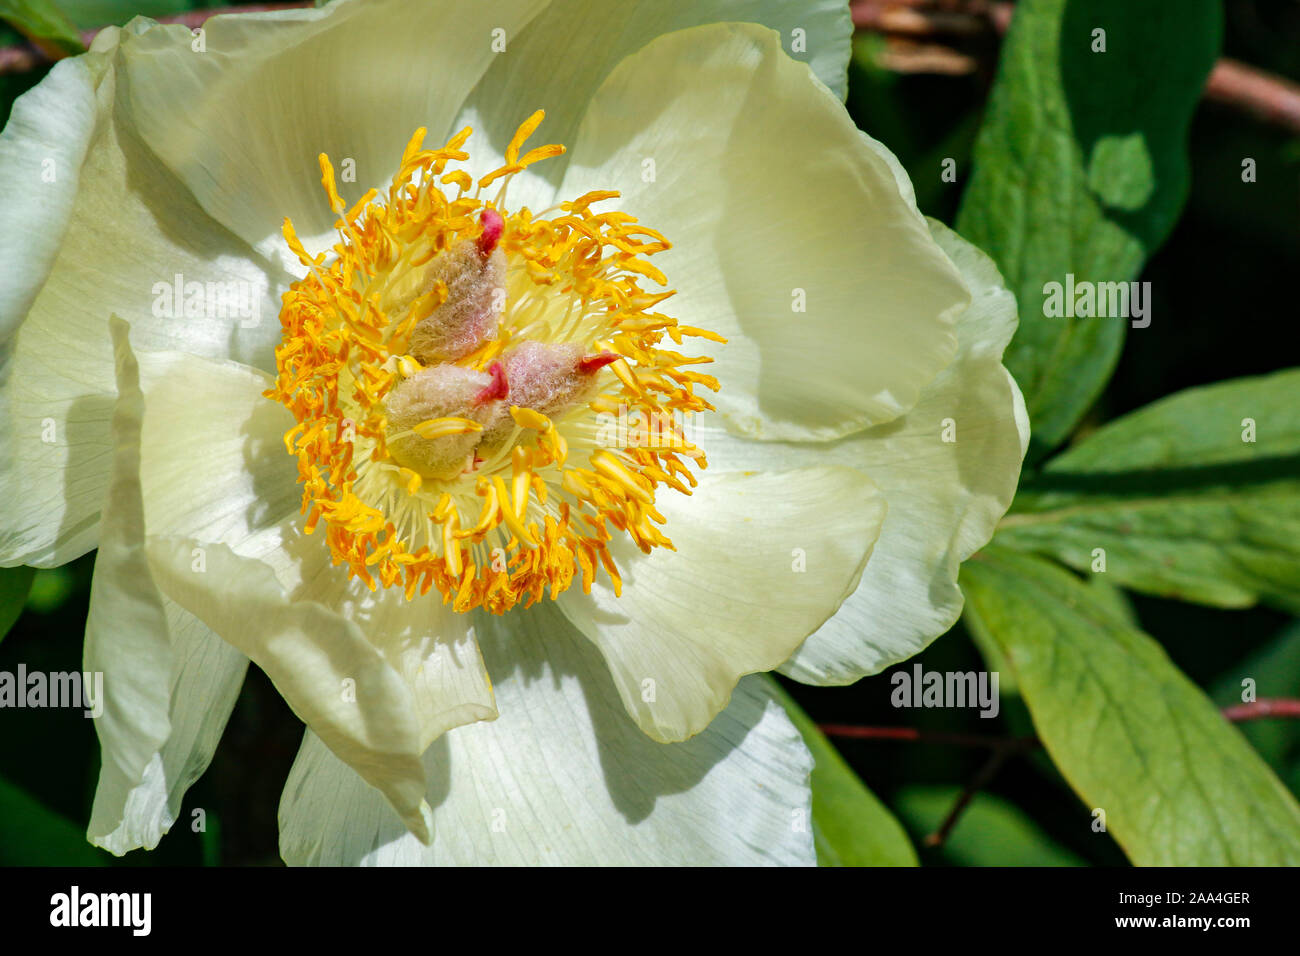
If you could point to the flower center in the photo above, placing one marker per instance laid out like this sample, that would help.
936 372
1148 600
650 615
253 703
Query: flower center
480 397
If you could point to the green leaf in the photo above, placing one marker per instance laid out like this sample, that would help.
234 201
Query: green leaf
49 589
1134 737
1081 168
851 826
14 585
991 831
1102 590
31 834
1180 504
1112 597
42 20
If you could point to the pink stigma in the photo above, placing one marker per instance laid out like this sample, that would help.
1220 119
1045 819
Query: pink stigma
594 363
493 226
499 388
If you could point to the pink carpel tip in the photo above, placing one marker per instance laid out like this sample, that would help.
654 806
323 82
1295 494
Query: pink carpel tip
493 226
594 363
499 388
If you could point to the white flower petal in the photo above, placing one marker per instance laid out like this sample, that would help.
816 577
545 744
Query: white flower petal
429 646
168 683
130 812
220 504
761 228
762 561
214 465
944 498
46 138
243 122
41 151
132 235
558 60
565 778
320 661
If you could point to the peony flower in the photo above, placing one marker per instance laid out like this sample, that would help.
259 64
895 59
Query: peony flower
551 445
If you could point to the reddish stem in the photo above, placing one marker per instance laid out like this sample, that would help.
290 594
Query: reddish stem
1004 748
911 733
1262 709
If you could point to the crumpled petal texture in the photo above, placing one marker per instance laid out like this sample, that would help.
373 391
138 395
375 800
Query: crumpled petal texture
565 778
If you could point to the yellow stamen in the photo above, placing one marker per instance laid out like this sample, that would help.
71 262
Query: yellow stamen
442 427
526 129
570 280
